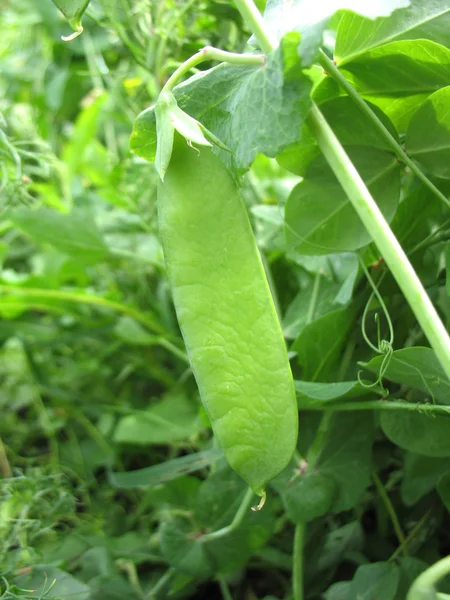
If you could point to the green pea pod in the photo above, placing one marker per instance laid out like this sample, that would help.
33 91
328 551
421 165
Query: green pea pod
226 315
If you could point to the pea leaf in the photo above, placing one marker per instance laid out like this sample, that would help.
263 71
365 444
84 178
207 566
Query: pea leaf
396 77
314 393
421 475
417 432
375 581
357 34
347 456
418 368
339 112
305 496
75 234
65 585
320 218
319 344
443 488
428 135
310 18
173 418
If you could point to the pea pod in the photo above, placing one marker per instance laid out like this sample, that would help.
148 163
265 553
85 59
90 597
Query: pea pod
226 315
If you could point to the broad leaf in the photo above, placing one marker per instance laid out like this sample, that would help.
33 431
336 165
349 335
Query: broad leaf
397 77
75 234
313 394
418 368
310 18
347 456
428 135
173 418
319 344
375 581
320 218
339 112
421 474
418 432
356 34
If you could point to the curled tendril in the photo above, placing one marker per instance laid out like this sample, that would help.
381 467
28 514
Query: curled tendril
383 347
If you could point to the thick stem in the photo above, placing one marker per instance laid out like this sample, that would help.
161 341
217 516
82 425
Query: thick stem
254 20
297 568
423 586
210 53
332 70
383 237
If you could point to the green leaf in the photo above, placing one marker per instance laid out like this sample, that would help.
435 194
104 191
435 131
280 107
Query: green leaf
251 109
428 135
320 218
417 432
73 10
310 18
314 394
339 112
338 591
356 34
347 456
171 469
399 76
306 496
375 581
418 368
75 234
421 474
173 418
319 344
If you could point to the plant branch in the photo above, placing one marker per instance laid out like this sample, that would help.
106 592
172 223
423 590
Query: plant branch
210 53
391 512
382 235
255 22
238 518
332 70
297 559
426 409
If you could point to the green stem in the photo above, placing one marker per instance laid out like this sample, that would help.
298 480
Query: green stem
238 518
314 297
391 512
423 586
383 237
210 53
431 409
226 594
297 568
254 20
161 583
332 70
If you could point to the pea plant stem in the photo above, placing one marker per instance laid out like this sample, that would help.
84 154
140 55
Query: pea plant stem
238 518
254 20
423 586
297 567
210 53
391 512
332 70
382 235
431 409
